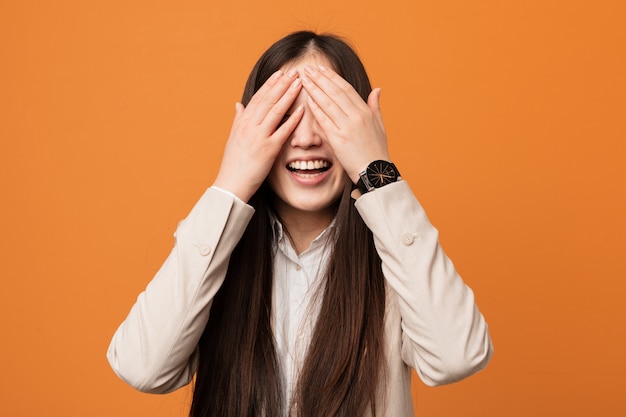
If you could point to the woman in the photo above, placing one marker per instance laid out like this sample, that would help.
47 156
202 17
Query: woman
284 295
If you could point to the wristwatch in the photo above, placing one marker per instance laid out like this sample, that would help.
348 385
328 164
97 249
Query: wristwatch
377 174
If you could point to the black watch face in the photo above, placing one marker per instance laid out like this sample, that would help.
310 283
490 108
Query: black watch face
381 173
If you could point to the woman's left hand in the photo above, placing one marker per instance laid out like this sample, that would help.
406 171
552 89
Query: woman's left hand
353 128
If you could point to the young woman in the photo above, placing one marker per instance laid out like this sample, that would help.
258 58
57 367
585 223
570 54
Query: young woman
307 281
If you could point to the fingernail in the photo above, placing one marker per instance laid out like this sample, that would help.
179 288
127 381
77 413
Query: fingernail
277 75
322 68
308 69
305 81
292 72
296 83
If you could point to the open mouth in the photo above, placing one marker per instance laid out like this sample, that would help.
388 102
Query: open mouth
309 168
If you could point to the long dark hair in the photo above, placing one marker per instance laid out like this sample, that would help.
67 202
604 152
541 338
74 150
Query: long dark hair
239 373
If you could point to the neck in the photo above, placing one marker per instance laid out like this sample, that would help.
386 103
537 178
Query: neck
304 226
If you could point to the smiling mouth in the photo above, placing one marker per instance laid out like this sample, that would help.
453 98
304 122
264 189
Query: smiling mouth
309 168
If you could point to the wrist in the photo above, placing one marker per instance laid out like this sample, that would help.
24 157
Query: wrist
362 165
242 193
377 174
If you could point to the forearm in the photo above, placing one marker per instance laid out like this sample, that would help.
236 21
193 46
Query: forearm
153 349
445 337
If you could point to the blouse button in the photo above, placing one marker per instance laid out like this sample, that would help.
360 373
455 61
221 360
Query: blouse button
408 238
203 248
298 267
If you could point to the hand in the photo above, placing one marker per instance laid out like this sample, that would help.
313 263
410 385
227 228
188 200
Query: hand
256 138
353 128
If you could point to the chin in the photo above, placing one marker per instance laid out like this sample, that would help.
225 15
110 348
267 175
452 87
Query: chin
316 207
313 202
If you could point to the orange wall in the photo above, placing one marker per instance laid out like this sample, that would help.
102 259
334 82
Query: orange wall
507 117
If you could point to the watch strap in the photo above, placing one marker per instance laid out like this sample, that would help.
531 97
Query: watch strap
361 183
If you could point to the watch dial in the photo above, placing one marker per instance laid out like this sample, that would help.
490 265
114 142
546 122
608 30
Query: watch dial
381 173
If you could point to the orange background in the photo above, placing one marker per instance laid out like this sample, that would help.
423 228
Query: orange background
506 117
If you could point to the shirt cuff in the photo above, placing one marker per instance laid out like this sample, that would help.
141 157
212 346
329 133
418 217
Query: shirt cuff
228 193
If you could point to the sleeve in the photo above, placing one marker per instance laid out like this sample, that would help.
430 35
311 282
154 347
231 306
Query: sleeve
444 336
155 348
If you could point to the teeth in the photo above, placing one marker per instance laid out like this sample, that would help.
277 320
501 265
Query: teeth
308 165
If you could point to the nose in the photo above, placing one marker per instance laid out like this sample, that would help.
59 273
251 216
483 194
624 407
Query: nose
307 133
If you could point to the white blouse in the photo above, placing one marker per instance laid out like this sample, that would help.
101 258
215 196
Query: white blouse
296 300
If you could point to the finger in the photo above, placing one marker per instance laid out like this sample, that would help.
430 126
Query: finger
327 124
373 102
277 112
267 85
331 82
323 106
239 108
269 94
286 129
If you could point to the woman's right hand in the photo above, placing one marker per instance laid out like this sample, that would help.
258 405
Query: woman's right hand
256 137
